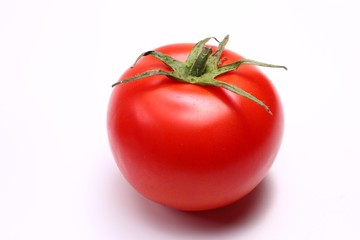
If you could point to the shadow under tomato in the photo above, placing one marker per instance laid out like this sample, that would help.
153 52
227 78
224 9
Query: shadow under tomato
240 215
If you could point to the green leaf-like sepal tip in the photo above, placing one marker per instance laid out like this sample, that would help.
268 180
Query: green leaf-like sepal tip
201 67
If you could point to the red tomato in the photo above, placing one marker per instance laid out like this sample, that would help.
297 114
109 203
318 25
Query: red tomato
193 147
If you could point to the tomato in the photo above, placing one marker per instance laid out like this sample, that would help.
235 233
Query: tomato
194 146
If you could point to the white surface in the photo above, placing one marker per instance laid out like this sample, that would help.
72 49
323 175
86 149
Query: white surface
58 59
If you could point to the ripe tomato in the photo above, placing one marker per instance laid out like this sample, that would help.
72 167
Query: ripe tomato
190 146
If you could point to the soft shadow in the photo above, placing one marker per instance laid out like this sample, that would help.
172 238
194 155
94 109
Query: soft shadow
242 214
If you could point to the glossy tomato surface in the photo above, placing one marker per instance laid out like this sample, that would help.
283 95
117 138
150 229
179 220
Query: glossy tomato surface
193 147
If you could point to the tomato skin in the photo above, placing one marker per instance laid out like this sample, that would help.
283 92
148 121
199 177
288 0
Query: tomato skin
193 147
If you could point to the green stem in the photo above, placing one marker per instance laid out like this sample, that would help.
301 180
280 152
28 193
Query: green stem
199 66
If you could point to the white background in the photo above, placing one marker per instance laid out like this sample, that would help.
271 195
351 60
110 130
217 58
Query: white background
58 60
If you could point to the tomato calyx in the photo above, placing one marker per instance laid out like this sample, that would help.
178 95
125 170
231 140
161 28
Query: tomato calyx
201 67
